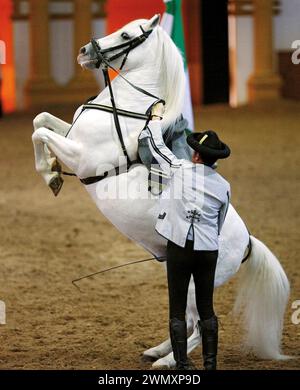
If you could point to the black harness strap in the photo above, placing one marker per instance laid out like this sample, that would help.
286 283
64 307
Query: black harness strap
128 46
94 179
115 114
132 44
249 250
120 112
115 172
136 87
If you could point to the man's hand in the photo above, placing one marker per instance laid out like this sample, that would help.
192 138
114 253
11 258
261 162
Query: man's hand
157 111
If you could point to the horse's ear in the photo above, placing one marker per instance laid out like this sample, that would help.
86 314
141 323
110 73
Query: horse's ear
153 22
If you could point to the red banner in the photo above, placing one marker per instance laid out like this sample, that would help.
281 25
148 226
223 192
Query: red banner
121 12
8 91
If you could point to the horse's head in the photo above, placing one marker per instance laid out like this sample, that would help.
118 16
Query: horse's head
143 45
130 43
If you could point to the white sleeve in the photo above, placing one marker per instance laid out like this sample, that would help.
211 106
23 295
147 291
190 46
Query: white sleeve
165 158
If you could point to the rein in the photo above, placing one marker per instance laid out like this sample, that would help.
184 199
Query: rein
130 45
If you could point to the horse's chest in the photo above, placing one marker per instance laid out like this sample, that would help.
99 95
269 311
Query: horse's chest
91 127
94 126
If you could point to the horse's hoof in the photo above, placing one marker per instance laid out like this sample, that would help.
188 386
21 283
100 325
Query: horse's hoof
56 184
147 358
162 364
56 167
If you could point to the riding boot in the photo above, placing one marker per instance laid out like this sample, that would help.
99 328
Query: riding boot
178 333
209 332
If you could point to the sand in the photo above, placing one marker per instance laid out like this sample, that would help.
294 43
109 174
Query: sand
47 242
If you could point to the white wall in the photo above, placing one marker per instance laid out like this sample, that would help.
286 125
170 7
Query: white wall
62 53
63 58
21 58
241 57
286 30
287 25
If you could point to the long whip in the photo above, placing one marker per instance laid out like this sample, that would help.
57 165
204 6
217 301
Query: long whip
115 267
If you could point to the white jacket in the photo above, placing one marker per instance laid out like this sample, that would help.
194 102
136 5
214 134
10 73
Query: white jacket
196 196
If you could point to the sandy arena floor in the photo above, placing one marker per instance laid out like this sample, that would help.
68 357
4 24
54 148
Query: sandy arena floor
47 242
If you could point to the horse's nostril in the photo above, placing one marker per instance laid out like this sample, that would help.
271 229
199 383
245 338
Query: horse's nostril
83 50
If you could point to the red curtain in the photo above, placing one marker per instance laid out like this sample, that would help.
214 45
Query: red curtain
8 90
122 12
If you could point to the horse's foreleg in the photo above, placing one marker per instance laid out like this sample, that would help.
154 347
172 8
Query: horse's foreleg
65 149
51 122
60 127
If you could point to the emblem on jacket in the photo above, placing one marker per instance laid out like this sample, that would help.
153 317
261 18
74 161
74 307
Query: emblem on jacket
193 216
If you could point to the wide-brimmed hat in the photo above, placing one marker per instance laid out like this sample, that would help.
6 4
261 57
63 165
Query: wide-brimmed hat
208 144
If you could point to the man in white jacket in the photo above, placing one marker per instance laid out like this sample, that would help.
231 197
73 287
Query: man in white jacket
192 211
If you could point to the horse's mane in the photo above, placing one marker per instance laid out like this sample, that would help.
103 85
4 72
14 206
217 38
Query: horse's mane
172 77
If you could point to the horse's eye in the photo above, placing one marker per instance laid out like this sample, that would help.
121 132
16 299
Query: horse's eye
125 36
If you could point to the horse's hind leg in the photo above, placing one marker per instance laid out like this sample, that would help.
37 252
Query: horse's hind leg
164 349
163 352
159 351
168 361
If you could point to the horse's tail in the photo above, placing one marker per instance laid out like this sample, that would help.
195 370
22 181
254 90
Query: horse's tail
262 300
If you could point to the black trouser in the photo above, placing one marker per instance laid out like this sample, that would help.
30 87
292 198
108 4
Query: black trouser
181 264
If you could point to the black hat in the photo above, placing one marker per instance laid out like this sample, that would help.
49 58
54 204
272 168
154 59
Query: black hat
208 144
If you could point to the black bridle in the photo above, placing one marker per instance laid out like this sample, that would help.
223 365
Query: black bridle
126 46
104 62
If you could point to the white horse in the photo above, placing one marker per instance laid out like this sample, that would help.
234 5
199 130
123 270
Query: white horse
93 146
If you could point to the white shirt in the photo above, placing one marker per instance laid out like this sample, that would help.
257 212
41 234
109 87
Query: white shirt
196 197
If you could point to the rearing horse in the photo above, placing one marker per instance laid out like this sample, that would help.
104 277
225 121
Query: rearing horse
92 147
